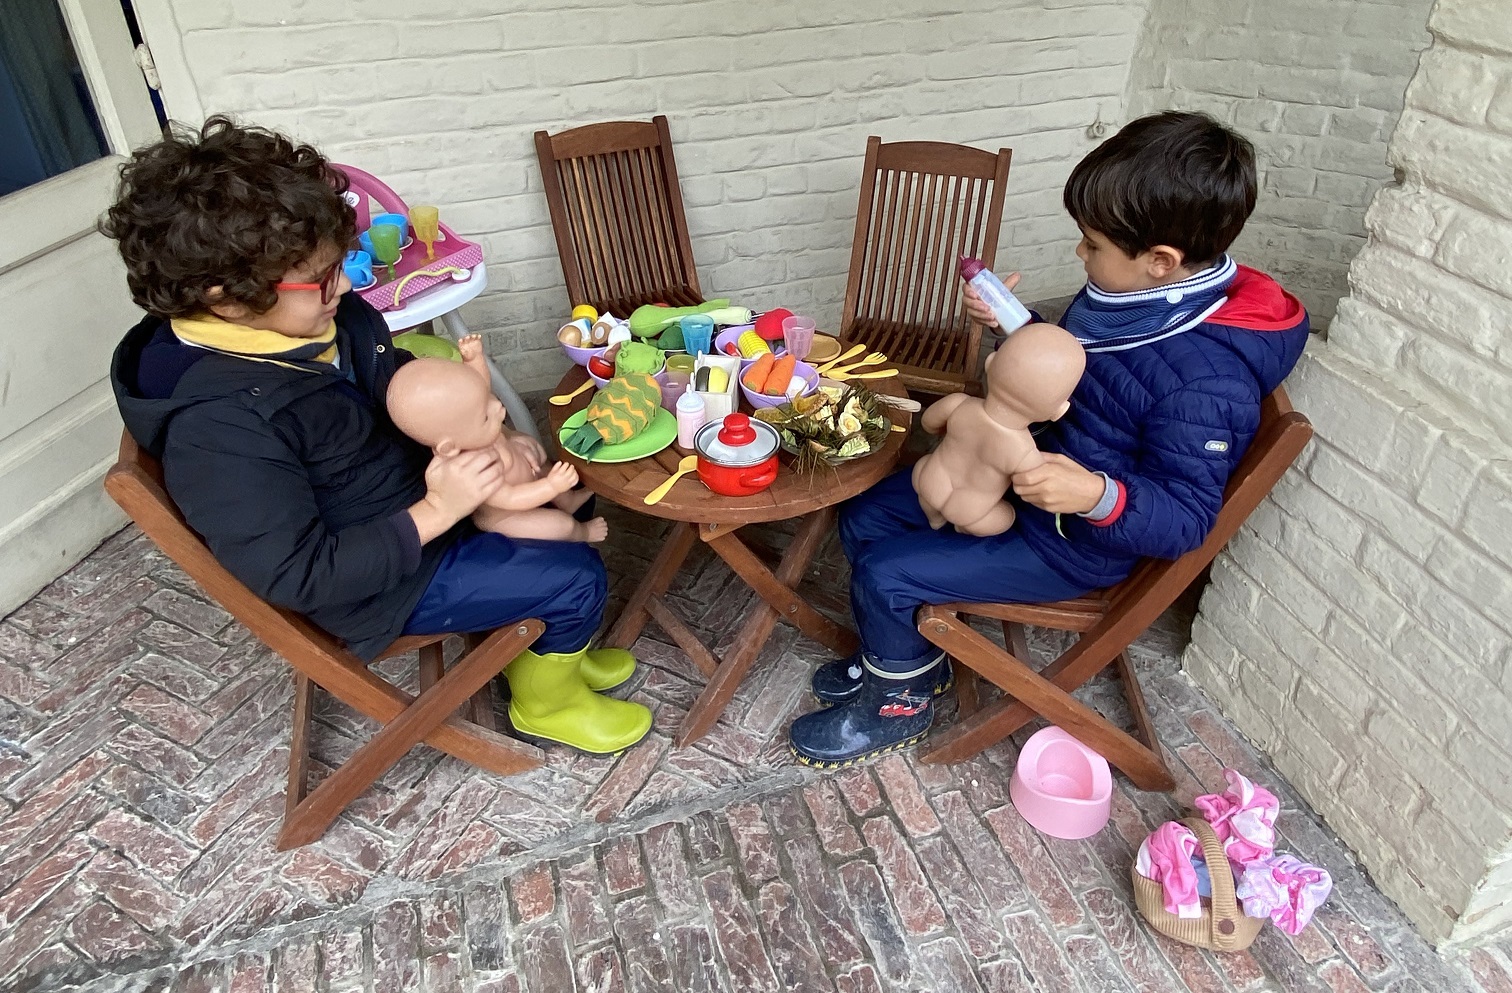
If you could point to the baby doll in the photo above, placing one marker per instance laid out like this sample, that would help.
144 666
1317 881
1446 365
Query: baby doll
451 408
1028 379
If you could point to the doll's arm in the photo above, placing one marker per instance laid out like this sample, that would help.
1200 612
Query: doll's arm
939 412
471 347
522 496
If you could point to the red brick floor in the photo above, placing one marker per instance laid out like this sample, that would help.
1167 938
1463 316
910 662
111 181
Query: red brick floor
143 739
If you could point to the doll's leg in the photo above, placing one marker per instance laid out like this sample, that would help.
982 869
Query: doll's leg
542 524
997 520
572 499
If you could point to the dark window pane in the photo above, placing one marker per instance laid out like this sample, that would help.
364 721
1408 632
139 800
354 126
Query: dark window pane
47 121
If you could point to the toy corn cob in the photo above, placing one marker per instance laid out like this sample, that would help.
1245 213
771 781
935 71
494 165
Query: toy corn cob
751 345
617 413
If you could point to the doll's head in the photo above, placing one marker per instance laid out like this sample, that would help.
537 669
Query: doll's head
1031 375
444 405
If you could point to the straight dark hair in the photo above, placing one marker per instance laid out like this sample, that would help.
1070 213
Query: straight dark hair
1178 179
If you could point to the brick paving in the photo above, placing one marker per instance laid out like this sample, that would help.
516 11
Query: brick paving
143 741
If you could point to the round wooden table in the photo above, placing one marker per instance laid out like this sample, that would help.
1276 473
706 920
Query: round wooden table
714 519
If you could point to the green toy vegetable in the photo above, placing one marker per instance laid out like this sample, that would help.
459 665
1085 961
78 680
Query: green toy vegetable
648 321
637 356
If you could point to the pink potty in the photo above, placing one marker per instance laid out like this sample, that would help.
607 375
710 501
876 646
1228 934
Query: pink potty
1061 786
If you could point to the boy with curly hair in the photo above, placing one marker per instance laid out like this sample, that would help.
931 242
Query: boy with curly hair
1182 345
260 383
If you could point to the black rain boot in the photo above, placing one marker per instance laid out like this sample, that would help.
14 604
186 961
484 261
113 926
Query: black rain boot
890 711
839 681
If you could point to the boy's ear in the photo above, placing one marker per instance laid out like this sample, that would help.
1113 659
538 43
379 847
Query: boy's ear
1163 260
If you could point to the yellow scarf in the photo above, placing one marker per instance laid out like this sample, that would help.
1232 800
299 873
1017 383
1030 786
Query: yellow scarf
223 336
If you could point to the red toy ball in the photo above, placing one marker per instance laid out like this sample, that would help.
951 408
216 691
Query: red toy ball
769 325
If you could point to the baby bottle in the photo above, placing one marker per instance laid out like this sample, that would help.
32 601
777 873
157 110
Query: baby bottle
1011 315
690 417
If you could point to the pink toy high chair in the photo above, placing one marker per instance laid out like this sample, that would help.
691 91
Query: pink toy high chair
1061 786
430 297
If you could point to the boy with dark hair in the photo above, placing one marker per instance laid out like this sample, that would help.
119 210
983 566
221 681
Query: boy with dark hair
260 382
1182 346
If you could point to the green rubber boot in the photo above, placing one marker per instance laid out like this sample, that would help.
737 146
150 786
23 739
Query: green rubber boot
549 699
606 668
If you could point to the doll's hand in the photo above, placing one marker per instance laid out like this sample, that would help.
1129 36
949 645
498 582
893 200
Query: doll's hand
1059 485
528 449
562 476
471 347
979 311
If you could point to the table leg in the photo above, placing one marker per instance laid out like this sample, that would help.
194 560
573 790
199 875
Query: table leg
759 621
680 541
519 414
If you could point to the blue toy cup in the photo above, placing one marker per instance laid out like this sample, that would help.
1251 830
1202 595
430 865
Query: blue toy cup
367 245
698 333
397 220
359 268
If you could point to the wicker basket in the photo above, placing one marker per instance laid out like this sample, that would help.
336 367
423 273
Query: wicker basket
1223 927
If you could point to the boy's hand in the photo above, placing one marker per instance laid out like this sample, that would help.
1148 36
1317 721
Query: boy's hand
979 311
562 476
455 486
1059 486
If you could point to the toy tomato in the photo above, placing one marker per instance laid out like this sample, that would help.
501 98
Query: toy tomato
600 368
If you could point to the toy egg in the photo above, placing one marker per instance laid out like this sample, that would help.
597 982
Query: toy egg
570 336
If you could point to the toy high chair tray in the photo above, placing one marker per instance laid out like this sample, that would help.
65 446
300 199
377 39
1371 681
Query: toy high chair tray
413 273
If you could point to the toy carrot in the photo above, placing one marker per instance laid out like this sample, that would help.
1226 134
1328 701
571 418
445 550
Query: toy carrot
781 374
756 375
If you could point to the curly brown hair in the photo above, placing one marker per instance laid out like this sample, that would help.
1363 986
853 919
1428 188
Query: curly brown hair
230 206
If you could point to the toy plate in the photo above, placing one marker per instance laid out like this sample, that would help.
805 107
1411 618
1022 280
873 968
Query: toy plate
661 432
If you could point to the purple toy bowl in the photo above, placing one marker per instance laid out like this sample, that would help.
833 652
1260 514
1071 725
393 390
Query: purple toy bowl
758 400
582 355
660 376
1061 786
729 336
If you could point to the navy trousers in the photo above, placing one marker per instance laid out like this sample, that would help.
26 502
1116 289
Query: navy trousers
898 563
487 581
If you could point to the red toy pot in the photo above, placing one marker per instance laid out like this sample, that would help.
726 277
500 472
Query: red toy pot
737 456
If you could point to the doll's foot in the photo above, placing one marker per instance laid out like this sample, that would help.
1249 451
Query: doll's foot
572 499
593 531
470 346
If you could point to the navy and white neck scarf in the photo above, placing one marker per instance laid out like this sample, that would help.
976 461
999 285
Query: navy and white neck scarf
1114 322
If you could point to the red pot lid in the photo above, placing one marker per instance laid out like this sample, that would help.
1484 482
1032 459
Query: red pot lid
736 441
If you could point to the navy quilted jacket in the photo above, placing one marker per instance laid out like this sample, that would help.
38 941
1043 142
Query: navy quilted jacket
1168 404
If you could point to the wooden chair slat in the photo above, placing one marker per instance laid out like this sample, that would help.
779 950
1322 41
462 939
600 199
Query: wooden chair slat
923 205
617 214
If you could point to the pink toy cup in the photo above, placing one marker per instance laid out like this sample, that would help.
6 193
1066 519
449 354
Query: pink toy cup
1061 786
798 335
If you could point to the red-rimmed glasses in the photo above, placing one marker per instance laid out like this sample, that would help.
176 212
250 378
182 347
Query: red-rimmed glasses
326 286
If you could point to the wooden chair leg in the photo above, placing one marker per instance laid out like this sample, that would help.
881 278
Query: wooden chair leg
314 813
299 744
1037 695
480 709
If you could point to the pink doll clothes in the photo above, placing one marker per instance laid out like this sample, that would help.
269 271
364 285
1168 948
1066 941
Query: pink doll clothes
1166 857
1285 889
1244 818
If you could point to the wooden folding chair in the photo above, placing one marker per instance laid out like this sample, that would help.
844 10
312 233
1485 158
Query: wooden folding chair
924 204
617 213
1109 621
454 711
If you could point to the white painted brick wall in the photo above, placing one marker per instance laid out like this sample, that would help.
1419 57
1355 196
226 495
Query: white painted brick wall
1371 649
770 106
1317 87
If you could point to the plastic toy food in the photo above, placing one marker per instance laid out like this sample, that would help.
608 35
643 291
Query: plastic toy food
600 368
637 356
752 344
585 310
617 413
771 375
769 325
1028 379
649 321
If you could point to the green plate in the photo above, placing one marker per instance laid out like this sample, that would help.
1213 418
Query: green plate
661 433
